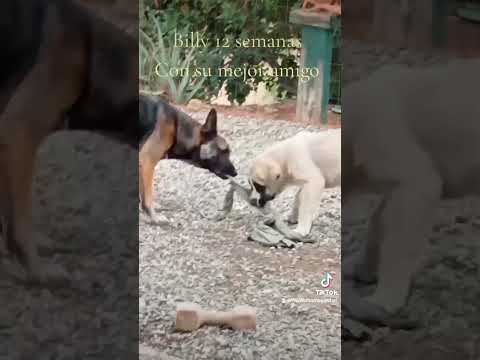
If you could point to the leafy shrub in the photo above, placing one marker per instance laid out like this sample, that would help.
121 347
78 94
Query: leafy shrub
156 58
223 19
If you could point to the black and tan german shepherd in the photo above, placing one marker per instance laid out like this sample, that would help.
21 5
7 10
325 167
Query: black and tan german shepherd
172 134
58 61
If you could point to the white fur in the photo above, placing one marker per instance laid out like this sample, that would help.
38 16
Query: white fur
417 130
311 161
207 151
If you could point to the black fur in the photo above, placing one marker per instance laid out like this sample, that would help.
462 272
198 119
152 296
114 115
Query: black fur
151 107
109 102
147 112
90 72
190 136
20 37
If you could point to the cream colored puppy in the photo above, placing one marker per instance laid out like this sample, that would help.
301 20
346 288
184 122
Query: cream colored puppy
414 141
310 161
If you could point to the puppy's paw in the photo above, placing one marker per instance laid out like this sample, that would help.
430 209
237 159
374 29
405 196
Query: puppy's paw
302 235
355 268
295 236
370 313
392 303
302 231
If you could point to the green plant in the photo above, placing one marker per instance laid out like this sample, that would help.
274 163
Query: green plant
158 59
230 20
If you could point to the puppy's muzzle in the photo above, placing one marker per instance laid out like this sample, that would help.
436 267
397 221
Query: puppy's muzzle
255 202
262 201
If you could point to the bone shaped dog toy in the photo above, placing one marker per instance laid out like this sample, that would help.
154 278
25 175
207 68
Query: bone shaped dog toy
190 316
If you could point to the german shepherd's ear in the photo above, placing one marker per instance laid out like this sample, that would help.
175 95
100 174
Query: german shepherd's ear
210 126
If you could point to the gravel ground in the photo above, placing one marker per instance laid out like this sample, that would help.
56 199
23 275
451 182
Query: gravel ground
445 292
85 193
213 264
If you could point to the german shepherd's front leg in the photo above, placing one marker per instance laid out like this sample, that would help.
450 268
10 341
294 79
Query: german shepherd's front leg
154 150
17 164
22 130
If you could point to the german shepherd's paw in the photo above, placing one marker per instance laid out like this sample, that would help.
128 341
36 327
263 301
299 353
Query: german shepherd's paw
52 275
159 219
153 218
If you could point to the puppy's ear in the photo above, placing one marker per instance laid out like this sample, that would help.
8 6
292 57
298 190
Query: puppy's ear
259 170
210 126
275 171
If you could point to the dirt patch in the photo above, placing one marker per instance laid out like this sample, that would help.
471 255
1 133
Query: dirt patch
283 111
